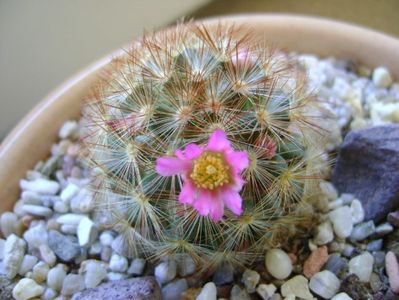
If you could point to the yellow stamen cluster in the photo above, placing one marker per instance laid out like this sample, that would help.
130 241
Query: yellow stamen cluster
210 171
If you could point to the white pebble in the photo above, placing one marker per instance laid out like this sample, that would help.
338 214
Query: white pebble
118 263
86 231
165 271
342 221
341 296
55 278
36 210
95 273
324 233
61 207
329 190
113 276
185 265
42 186
27 264
27 288
362 266
47 255
72 284
2 244
40 272
278 263
381 77
70 219
324 284
95 249
357 211
70 191
266 291
49 294
7 223
36 235
14 251
69 229
297 286
250 279
208 292
106 238
137 266
69 130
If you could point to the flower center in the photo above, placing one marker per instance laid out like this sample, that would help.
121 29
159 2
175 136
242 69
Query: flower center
210 171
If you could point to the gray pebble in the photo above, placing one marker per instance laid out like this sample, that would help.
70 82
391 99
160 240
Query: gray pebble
72 284
165 271
336 264
362 231
27 264
64 247
375 245
224 274
137 266
174 289
185 265
238 293
55 277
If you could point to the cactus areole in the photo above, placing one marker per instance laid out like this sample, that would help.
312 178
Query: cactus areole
202 142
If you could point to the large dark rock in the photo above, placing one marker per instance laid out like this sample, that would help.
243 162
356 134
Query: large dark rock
368 167
144 288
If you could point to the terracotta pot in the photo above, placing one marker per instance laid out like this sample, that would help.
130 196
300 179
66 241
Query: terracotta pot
31 139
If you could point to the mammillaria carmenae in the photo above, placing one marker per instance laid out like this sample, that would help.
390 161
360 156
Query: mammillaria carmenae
193 88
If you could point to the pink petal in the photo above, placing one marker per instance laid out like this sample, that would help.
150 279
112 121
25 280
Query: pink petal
187 193
217 210
238 160
191 151
168 166
233 200
218 142
203 202
238 183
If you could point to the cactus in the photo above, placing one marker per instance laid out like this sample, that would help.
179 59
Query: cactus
185 86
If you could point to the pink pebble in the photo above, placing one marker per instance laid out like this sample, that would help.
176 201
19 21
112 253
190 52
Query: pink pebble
392 269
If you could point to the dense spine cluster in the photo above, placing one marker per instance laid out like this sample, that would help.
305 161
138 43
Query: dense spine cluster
176 87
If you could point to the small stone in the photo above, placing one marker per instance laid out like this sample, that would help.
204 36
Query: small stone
297 286
381 77
95 249
165 271
69 229
95 273
70 219
27 264
70 191
137 266
115 276
278 263
118 263
324 233
324 284
393 218
315 261
14 251
41 186
7 223
49 294
106 238
341 296
40 272
224 274
357 211
375 282
208 292
362 231
55 278
379 259
64 248
250 279
368 166
87 232
6 287
106 253
72 284
47 255
174 289
37 210
329 190
61 207
375 245
266 291
355 289
144 288
362 266
383 229
392 269
185 265
342 221
36 235
69 130
238 293
27 288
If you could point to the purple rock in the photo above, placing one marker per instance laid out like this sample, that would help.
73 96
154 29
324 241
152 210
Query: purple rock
393 218
368 167
144 288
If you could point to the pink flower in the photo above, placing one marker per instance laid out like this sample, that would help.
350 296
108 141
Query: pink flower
211 175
